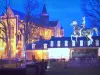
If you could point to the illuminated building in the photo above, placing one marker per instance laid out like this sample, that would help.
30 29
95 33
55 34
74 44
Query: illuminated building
12 42
63 47
45 29
42 29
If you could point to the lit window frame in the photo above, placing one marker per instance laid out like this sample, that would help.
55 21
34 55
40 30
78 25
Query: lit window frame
66 43
97 42
81 42
89 42
58 43
45 45
33 46
73 43
51 43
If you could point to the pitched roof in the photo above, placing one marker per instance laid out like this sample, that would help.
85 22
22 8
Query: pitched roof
13 12
21 14
53 23
39 44
35 19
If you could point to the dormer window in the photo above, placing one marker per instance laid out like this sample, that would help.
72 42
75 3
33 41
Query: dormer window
66 43
51 43
58 43
33 46
81 42
97 42
89 42
45 45
73 43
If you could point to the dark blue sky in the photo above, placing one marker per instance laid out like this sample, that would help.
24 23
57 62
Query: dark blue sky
63 10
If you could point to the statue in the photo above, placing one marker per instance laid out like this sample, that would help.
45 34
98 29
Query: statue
83 22
76 30
83 31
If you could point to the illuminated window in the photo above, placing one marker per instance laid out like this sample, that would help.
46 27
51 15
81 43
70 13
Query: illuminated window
51 43
97 42
58 43
45 46
66 43
81 42
33 46
73 43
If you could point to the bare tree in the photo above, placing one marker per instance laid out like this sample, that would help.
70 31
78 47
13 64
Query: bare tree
5 28
30 6
91 10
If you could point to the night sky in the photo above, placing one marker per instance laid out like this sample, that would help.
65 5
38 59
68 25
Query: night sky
63 10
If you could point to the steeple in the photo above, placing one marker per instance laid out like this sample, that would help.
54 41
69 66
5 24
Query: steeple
44 18
44 11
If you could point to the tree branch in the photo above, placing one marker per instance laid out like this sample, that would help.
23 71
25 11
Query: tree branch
3 39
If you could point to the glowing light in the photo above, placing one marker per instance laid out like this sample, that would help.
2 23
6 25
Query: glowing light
16 51
1 48
47 34
38 53
41 54
48 66
58 53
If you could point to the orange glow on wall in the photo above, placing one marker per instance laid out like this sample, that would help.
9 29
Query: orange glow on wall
48 34
41 54
12 41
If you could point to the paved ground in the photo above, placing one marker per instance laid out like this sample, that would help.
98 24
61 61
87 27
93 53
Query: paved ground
58 68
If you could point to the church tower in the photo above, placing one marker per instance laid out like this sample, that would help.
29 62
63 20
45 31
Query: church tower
44 18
